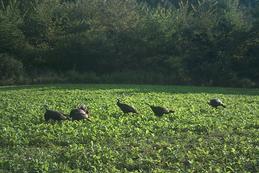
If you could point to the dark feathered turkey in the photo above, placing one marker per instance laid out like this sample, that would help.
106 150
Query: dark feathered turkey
54 115
84 108
216 102
79 113
126 108
160 111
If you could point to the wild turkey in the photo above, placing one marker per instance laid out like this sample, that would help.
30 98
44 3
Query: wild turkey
80 113
160 111
215 103
125 108
54 115
84 108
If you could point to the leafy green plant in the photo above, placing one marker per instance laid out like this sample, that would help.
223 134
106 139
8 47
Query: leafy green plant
196 138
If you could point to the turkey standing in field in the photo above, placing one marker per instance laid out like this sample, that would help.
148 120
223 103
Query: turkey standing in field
80 113
159 111
215 103
125 108
54 115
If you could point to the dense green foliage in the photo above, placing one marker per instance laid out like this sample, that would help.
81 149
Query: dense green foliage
196 138
205 42
10 69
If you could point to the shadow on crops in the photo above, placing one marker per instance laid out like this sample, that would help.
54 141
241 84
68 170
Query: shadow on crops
133 89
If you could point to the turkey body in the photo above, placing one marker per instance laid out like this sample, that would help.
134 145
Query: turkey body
54 115
216 103
79 114
160 111
126 108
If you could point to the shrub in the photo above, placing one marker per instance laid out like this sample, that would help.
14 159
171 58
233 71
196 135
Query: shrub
11 69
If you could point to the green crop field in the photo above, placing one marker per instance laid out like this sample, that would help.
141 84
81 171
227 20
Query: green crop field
196 138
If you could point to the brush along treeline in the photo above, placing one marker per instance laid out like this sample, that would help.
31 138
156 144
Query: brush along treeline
201 42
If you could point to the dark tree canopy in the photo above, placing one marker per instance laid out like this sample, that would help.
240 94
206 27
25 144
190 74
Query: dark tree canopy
205 42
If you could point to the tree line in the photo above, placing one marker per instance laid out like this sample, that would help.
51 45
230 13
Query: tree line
198 42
